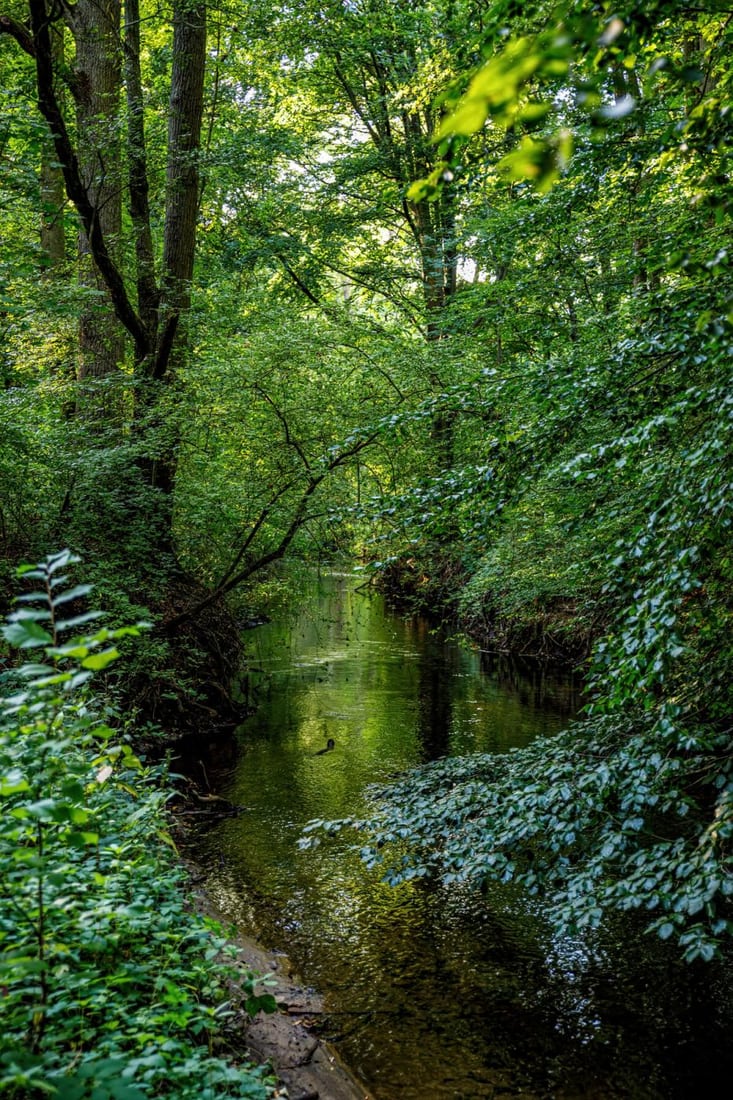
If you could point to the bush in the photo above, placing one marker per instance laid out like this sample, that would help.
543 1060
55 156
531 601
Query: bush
111 988
607 815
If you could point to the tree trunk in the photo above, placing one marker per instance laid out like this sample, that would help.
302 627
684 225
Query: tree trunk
96 27
433 227
138 180
184 139
182 199
157 336
53 197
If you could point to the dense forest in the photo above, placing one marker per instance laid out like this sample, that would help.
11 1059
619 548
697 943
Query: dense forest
442 288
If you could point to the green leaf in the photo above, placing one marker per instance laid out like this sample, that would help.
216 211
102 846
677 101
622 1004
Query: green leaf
78 679
79 620
468 117
72 594
81 839
60 560
13 782
26 634
97 661
28 671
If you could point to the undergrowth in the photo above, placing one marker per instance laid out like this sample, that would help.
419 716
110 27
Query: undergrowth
111 988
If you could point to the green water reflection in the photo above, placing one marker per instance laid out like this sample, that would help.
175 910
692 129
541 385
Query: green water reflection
431 993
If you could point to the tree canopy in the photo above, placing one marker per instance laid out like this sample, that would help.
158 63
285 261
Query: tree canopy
444 286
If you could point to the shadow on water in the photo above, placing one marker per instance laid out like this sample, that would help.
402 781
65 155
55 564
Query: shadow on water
431 992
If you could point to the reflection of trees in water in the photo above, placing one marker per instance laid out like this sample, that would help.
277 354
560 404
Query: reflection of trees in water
442 992
534 686
535 683
435 699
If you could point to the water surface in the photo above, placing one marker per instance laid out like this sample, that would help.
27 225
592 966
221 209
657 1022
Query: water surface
431 992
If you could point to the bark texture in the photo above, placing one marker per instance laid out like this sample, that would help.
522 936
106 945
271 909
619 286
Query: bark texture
53 197
97 82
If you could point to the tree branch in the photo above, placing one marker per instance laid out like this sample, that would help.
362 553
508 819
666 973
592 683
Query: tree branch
19 32
165 347
289 439
299 282
233 577
354 101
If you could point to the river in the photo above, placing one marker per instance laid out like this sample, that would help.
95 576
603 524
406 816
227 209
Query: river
434 993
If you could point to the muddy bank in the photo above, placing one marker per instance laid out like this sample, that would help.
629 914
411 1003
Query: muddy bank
306 1065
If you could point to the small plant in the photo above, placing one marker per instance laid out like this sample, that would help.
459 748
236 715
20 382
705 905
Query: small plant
109 985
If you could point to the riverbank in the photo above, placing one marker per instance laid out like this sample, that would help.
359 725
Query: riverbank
557 627
287 1040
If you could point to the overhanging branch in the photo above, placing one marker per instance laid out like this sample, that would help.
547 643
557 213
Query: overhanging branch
19 32
233 576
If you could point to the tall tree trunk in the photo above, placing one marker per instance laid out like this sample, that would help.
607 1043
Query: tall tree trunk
182 199
433 227
53 196
182 177
158 338
52 228
138 180
96 27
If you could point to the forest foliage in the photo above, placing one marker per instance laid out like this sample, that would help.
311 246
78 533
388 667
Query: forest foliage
112 987
446 286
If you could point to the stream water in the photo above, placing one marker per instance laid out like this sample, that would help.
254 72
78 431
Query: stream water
432 992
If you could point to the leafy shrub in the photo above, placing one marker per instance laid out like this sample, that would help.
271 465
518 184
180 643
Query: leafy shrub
111 988
607 815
